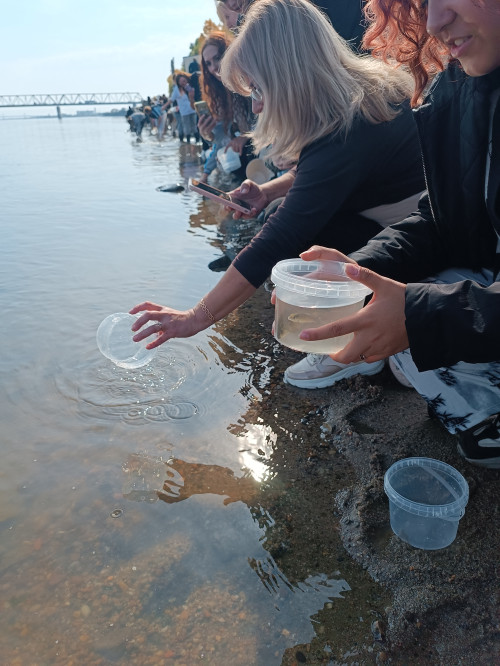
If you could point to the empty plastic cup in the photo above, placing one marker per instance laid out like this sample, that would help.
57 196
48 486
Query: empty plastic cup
258 172
228 159
427 498
114 339
310 294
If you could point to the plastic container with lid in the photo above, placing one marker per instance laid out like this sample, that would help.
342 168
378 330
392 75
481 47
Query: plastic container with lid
427 498
310 294
228 159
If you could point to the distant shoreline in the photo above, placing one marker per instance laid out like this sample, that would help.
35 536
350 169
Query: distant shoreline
113 114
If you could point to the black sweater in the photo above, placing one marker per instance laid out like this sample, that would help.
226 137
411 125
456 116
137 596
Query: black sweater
336 178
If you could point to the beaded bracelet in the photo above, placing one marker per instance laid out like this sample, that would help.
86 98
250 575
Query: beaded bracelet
205 309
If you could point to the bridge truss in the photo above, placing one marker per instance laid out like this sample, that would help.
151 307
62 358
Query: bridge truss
74 99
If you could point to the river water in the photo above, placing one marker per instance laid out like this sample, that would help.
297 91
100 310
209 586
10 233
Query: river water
131 529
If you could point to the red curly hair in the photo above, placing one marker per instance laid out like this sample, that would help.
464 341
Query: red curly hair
397 32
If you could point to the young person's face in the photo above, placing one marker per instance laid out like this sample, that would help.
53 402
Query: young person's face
211 58
182 82
471 31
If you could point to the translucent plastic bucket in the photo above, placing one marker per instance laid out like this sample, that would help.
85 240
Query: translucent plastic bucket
228 159
258 172
427 498
310 294
114 339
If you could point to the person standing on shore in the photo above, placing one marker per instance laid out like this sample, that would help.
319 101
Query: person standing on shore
436 304
183 96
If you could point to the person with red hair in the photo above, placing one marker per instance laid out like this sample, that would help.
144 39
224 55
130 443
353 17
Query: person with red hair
435 275
230 115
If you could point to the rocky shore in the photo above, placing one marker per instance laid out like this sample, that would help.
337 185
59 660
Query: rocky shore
434 607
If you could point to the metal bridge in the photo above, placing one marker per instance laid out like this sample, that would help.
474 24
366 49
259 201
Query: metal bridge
73 99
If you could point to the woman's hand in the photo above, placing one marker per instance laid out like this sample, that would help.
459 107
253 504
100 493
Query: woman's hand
379 328
237 144
166 323
206 125
253 195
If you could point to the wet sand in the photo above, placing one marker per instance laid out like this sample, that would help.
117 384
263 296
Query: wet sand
433 607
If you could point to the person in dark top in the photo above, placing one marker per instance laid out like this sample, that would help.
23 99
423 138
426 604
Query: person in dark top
194 80
346 16
437 306
344 119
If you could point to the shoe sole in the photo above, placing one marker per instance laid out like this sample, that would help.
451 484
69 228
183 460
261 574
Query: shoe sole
330 380
490 463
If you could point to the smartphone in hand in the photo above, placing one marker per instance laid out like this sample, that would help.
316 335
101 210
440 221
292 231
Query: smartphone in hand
202 109
221 197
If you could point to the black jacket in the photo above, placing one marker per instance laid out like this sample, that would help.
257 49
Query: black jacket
452 228
346 16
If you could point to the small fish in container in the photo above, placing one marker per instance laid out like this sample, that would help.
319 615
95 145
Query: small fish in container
311 294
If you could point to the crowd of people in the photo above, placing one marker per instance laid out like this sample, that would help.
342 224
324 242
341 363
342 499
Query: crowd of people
389 123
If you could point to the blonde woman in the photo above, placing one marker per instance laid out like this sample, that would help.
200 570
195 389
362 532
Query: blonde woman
346 121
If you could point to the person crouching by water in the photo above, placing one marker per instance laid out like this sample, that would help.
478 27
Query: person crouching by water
136 120
344 118
436 305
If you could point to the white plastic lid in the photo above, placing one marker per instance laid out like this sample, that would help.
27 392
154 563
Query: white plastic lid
405 484
317 278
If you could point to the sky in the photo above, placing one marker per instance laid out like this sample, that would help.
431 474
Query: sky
84 46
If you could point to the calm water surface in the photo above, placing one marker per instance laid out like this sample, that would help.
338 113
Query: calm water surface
130 526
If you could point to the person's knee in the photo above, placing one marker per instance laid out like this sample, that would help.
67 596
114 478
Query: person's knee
271 208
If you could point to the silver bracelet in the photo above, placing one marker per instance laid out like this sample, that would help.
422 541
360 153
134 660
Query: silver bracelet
205 309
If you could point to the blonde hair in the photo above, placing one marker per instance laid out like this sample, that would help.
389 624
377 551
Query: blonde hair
312 83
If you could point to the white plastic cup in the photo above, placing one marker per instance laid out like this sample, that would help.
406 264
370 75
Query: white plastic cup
427 498
310 294
114 339
228 159
257 171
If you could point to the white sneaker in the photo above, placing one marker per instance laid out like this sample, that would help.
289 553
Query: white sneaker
320 371
398 374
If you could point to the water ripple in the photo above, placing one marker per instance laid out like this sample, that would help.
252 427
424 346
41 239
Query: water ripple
144 395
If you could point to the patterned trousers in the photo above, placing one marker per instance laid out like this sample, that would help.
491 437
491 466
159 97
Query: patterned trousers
464 394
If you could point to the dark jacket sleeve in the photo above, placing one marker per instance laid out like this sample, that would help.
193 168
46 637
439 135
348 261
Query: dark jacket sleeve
447 323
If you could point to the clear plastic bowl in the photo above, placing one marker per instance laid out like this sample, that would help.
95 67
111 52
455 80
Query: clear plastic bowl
114 339
427 498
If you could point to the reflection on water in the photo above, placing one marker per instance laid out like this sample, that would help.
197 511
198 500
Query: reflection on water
240 562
